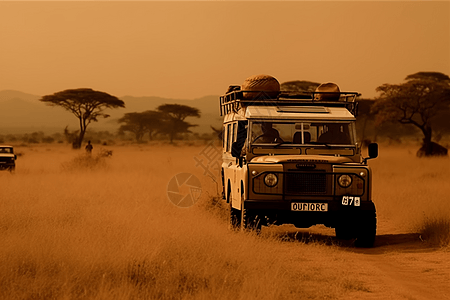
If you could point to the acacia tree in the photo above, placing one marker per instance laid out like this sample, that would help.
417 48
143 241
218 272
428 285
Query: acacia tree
141 123
299 86
86 104
174 118
418 101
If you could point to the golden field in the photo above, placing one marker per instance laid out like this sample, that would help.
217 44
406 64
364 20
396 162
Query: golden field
106 230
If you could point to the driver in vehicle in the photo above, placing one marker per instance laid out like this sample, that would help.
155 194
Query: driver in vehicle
334 135
270 134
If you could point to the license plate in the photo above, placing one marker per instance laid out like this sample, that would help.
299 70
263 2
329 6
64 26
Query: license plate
351 201
309 206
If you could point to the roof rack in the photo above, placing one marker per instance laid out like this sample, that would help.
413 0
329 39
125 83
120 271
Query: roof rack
235 100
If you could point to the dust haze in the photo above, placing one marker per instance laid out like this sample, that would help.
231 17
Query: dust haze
102 226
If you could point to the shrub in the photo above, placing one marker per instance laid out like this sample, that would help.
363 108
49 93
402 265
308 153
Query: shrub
86 162
436 230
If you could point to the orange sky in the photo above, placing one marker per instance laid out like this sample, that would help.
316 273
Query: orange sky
192 49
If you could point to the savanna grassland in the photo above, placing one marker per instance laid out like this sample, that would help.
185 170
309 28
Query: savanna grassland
103 228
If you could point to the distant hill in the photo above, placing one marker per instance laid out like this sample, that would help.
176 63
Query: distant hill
24 113
10 94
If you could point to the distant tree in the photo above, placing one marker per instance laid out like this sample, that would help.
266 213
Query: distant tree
217 132
364 118
174 119
173 127
86 104
71 136
299 86
418 101
140 123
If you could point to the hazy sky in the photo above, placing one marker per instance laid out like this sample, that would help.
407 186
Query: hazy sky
192 49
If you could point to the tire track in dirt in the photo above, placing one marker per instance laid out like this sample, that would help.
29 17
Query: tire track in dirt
403 266
399 266
396 279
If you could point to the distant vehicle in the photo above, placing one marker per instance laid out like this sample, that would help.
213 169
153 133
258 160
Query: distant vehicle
7 158
294 159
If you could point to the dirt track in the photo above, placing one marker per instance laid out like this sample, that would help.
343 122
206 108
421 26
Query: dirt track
399 266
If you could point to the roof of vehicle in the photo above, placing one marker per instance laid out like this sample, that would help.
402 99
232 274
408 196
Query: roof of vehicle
236 101
298 112
6 146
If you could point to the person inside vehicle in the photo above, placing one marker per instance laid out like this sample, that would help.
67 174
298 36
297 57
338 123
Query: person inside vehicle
270 134
334 135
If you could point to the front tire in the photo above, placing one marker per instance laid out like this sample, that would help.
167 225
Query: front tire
367 230
343 231
250 220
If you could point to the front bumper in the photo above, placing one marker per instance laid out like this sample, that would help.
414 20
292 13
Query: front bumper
279 212
7 166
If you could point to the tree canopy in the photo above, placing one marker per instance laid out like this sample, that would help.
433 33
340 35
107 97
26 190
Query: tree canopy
140 123
174 119
178 111
299 86
86 104
418 101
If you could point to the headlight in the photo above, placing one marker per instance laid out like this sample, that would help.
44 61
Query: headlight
345 181
271 180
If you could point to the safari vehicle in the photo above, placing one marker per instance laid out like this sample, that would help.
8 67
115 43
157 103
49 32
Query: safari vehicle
7 158
294 159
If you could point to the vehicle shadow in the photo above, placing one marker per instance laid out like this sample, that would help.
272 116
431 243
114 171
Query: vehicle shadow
384 243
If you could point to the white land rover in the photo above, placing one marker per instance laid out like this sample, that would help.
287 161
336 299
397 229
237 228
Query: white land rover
7 158
294 159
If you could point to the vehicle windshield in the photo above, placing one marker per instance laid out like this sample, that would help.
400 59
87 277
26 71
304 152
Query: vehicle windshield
6 150
298 133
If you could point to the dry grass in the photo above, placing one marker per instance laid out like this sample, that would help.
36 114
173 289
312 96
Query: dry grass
111 232
103 233
413 192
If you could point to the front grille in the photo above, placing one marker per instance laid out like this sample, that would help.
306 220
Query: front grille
312 183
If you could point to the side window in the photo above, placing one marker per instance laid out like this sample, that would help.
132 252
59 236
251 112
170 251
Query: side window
223 137
233 138
231 131
228 137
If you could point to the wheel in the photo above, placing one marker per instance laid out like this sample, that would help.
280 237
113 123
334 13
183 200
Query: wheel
258 137
275 140
235 218
250 220
367 230
345 227
343 231
235 215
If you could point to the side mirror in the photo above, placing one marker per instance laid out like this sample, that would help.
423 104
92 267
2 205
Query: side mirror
373 150
15 156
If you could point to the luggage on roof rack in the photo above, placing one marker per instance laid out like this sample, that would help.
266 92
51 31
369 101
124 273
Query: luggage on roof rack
234 100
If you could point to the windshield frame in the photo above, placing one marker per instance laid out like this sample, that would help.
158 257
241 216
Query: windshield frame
6 149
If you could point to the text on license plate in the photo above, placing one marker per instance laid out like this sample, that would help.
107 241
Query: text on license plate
309 206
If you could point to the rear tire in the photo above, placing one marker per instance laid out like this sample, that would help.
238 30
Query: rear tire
235 215
235 218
